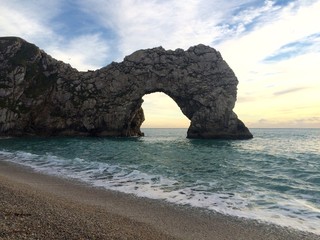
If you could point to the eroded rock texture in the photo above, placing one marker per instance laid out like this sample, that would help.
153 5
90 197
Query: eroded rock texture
42 96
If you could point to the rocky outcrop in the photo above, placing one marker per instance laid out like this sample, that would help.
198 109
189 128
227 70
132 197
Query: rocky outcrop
42 96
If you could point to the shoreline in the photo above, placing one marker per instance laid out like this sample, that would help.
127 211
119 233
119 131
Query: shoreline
34 205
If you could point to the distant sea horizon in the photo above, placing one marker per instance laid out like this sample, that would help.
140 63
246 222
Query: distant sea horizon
274 177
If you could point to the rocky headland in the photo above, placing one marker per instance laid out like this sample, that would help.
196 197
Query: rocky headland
40 95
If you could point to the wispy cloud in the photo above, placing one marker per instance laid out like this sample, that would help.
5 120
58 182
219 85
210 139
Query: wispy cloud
83 52
27 19
311 122
287 91
40 22
144 24
293 49
245 17
175 24
246 54
276 29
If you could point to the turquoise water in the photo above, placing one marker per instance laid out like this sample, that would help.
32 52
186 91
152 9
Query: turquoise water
274 177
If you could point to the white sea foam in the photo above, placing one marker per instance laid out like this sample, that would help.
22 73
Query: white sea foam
115 177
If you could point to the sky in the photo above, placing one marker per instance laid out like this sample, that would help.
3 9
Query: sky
273 46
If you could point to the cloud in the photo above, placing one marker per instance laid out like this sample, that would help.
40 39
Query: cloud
259 80
311 119
28 19
287 91
39 22
174 24
246 16
145 24
312 122
293 49
275 30
83 52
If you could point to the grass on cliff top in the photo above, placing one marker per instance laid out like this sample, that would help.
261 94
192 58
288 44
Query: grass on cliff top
26 53
25 56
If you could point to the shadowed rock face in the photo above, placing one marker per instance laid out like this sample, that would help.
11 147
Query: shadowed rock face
42 96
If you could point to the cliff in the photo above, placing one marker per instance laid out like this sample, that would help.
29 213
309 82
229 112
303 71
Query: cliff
43 96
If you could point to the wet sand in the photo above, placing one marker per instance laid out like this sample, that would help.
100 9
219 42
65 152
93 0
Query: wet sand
38 206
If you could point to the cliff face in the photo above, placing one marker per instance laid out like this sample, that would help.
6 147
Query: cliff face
42 96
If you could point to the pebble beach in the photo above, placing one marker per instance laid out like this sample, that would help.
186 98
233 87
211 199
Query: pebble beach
38 206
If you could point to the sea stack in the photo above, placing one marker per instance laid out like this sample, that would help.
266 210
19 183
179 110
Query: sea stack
40 95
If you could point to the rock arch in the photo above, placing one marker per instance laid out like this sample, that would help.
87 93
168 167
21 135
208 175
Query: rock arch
40 95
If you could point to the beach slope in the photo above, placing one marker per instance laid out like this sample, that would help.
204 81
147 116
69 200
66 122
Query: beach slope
38 206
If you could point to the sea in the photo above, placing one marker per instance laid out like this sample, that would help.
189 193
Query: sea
273 178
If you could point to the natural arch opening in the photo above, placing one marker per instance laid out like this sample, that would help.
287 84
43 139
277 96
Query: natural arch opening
161 111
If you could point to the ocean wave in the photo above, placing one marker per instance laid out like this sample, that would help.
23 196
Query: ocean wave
242 179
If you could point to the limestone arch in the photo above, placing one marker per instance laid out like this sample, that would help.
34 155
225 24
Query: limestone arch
198 80
52 98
